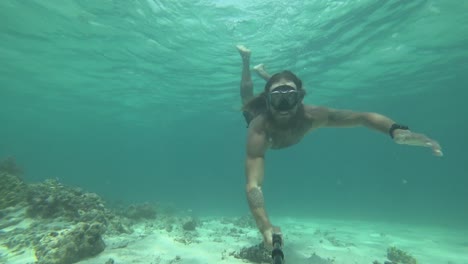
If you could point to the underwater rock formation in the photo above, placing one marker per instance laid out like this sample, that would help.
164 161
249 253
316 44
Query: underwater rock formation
190 224
63 224
257 254
397 256
140 211
51 199
69 246
12 190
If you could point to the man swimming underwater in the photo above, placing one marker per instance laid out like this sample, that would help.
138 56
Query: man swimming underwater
277 118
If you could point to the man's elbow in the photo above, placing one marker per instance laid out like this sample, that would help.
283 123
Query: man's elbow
376 119
251 186
253 183
369 118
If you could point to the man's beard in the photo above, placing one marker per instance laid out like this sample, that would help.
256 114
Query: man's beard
289 122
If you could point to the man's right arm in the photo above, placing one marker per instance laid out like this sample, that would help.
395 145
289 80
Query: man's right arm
256 147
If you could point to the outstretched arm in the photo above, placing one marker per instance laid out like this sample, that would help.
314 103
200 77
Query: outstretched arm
254 169
346 118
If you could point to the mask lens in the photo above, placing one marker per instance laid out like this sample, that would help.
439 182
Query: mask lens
283 97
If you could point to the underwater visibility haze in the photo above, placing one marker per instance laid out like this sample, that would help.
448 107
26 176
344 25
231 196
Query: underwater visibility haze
139 101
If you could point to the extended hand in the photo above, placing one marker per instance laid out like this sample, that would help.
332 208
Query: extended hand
268 236
409 138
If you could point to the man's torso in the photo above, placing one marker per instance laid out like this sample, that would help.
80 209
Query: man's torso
286 136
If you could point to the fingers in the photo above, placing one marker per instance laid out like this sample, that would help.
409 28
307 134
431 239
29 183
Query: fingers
268 244
438 153
436 149
267 239
415 139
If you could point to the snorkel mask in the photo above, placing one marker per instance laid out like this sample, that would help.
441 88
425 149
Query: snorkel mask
284 97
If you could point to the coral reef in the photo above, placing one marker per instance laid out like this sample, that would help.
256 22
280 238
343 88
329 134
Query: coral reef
51 199
257 254
13 190
140 211
398 256
69 246
190 224
18 238
62 223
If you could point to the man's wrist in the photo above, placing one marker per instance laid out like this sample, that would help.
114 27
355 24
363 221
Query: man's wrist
266 227
396 126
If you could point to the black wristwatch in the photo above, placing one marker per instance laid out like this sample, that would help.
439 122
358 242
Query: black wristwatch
396 126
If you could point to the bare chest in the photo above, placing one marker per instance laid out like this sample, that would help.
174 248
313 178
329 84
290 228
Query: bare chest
285 138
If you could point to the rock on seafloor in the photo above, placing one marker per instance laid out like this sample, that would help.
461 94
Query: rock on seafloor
69 246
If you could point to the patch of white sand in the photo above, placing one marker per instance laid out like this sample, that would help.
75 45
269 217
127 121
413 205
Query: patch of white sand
346 242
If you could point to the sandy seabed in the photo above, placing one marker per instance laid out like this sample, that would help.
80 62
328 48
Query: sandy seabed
217 239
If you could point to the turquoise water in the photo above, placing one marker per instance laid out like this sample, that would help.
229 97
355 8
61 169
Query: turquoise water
139 101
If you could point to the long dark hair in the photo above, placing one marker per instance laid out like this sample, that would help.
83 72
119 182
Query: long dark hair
259 104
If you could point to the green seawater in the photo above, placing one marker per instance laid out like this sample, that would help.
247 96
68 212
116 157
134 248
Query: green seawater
139 101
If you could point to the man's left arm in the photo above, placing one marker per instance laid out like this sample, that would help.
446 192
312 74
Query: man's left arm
400 134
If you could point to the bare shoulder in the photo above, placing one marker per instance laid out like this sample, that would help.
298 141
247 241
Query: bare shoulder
257 125
316 114
316 111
